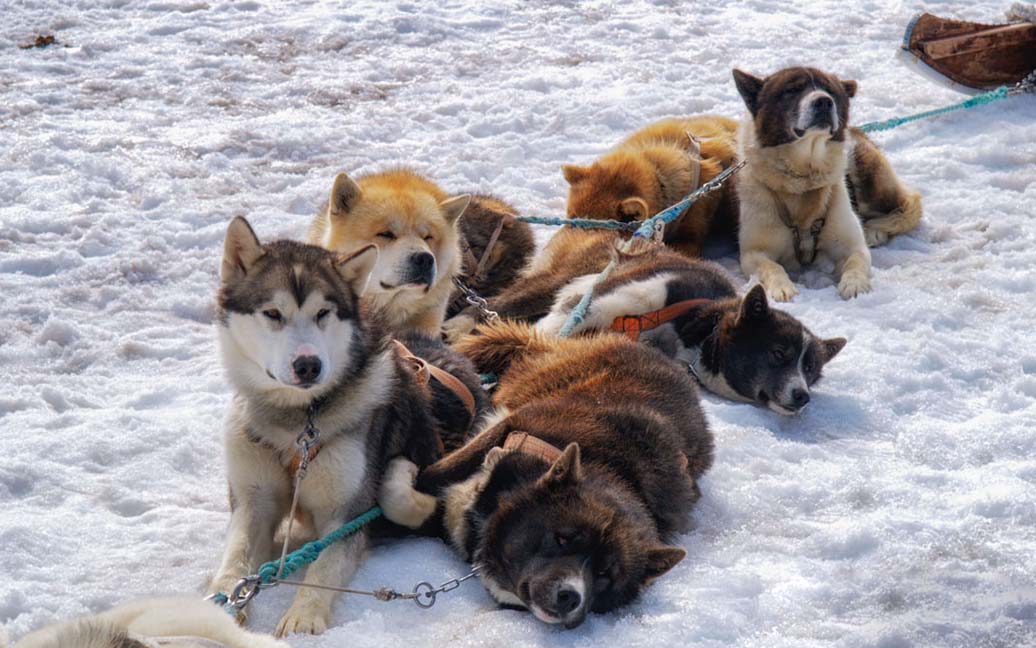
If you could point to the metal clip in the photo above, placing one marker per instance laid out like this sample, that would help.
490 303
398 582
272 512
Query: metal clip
244 592
424 594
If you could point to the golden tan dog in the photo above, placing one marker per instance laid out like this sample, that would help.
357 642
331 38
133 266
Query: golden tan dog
414 224
655 168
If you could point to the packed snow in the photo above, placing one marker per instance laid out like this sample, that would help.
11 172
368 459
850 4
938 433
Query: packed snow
899 510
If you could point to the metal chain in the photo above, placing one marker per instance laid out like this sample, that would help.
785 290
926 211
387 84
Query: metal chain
477 301
423 594
305 442
1027 84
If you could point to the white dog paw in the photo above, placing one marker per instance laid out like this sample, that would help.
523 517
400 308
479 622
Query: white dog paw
782 290
307 617
397 497
854 284
457 327
875 237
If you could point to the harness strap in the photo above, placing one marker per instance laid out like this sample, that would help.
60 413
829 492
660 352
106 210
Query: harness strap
796 234
480 267
424 371
530 445
634 325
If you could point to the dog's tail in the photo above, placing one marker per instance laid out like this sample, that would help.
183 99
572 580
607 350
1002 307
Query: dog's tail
903 219
494 347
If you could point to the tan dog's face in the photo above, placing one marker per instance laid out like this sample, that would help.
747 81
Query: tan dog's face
606 191
416 235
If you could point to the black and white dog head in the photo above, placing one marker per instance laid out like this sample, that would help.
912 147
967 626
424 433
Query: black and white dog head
560 548
763 355
289 315
796 103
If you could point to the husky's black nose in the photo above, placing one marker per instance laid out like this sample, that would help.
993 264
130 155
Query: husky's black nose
567 600
800 397
422 265
307 369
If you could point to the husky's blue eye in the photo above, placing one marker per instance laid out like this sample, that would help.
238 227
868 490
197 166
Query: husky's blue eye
322 313
387 235
273 314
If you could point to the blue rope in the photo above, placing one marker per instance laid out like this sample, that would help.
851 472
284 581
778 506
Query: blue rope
580 223
978 100
310 551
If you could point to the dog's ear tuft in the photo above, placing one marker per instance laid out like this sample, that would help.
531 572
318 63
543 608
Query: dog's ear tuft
356 268
634 209
567 469
661 559
493 457
832 346
344 194
574 174
749 87
754 306
241 249
849 87
453 208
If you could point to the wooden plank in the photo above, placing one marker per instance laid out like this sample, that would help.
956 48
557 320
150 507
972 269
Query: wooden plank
1006 36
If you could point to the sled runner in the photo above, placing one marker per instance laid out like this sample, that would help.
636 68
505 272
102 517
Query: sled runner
975 55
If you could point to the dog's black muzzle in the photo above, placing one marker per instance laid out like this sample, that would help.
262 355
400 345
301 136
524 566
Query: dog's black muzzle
420 269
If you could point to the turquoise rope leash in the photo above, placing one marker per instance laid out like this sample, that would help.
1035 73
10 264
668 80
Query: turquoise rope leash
302 556
580 223
1002 92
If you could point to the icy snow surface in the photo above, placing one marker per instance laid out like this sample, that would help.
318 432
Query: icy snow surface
899 510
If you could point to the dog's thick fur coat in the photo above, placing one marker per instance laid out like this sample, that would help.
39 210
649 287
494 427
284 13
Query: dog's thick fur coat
655 168
586 530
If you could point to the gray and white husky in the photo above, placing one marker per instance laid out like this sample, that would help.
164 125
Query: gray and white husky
293 340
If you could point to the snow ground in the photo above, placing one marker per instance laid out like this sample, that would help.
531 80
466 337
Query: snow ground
899 510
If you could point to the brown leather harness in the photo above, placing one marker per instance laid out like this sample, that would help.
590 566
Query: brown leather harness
633 325
530 445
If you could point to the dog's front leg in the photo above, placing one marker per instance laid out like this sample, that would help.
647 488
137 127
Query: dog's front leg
310 612
771 274
259 496
845 243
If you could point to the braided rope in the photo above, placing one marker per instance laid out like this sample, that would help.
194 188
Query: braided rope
978 100
310 551
580 223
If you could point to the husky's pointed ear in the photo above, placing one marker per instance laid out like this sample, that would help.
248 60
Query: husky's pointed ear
748 86
574 174
661 559
344 193
567 469
453 208
634 209
832 346
356 268
849 87
241 248
754 306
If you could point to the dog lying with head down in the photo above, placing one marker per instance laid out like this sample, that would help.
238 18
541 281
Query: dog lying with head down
567 500
689 310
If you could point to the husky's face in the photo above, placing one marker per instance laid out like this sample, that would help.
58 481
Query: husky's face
766 356
416 235
560 550
796 103
288 314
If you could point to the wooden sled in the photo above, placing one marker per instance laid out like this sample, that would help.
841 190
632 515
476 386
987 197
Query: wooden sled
973 55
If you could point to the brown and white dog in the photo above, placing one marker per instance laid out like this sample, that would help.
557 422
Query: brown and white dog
655 168
795 203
